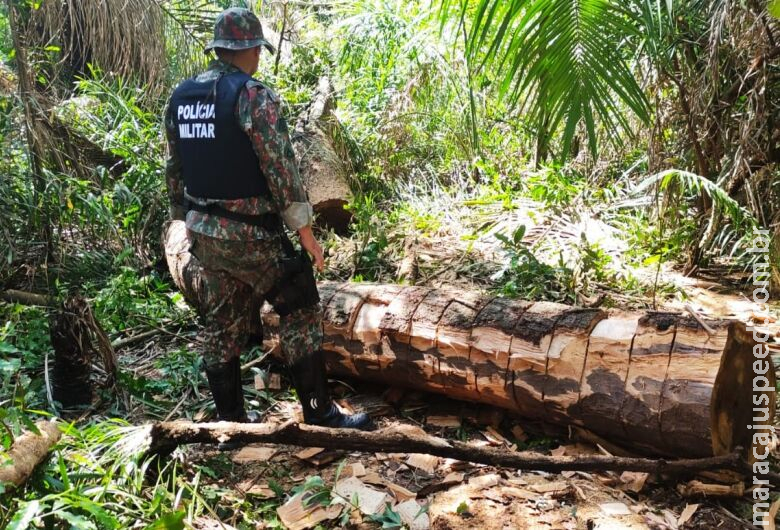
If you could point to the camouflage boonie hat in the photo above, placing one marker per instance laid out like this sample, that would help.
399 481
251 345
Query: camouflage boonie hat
238 29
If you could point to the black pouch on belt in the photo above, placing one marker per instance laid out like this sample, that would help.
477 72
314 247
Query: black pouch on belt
297 288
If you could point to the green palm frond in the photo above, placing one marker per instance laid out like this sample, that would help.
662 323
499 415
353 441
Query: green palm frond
562 62
695 185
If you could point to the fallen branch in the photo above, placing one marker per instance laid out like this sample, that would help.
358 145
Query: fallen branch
27 451
166 436
118 344
26 298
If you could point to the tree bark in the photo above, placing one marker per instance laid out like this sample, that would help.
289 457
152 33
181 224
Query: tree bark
77 339
33 119
322 159
27 451
659 383
26 298
398 439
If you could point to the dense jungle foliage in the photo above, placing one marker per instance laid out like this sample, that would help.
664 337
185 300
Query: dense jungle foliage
568 150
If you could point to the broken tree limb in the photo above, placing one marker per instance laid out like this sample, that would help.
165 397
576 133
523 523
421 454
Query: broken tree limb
395 439
656 383
27 451
26 298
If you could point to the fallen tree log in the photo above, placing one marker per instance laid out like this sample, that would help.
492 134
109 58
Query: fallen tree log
659 383
27 451
402 439
322 158
23 297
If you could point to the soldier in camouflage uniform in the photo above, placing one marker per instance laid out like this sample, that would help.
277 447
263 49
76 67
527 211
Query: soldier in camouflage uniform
232 177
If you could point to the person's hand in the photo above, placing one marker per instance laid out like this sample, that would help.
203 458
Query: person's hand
310 245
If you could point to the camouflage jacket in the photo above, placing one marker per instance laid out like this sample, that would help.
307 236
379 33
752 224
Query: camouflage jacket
259 114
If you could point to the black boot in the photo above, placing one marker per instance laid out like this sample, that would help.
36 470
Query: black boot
311 384
225 384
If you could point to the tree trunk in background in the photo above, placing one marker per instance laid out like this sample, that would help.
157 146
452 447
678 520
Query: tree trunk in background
657 382
33 119
322 159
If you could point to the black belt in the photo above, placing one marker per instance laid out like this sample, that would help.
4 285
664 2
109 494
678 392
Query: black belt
269 221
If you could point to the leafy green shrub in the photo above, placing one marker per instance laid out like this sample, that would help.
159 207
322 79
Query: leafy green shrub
97 480
130 299
523 275
130 209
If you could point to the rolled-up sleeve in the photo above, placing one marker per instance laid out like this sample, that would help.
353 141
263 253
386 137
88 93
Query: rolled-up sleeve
259 113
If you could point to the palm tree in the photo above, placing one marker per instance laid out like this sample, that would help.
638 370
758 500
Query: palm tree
565 63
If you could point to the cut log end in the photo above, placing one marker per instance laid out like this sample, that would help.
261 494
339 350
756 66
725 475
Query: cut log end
734 415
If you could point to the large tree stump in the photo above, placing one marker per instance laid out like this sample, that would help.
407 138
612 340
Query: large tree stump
656 382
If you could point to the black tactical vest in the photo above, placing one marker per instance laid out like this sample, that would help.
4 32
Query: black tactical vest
218 161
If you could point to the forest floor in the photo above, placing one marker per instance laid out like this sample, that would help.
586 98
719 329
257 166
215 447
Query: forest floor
443 494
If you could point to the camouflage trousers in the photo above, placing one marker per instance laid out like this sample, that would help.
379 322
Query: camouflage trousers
236 275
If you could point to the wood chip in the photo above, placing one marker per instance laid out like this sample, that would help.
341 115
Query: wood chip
687 513
295 516
400 493
494 437
615 508
426 463
553 488
558 451
484 481
697 488
413 515
369 500
309 452
275 382
254 453
519 433
259 382
518 493
357 469
258 490
452 422
454 478
634 481
372 477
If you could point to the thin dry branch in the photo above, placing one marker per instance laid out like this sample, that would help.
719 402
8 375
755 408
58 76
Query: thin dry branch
166 436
